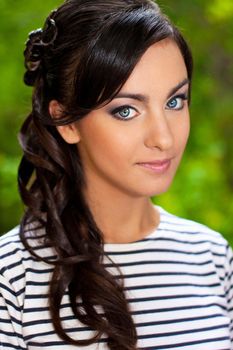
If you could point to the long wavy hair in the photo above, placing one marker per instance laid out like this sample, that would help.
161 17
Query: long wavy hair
82 57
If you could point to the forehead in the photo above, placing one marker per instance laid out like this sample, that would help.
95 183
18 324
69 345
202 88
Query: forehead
160 68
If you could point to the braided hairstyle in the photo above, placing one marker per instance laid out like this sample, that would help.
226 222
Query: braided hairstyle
82 57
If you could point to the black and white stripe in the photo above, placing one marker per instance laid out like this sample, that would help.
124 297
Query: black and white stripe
178 282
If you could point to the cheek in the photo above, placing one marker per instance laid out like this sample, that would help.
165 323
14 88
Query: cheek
181 131
117 147
103 144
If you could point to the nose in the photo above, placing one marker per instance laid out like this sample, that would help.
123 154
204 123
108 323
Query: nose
159 132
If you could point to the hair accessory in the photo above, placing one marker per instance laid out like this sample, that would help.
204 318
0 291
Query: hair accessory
32 52
37 41
49 32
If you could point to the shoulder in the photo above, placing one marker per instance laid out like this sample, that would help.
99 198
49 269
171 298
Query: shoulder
15 259
189 230
10 245
19 269
12 268
197 243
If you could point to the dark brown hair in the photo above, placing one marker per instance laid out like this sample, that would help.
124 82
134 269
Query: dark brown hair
81 58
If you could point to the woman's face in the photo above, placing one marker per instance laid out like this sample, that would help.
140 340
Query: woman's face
135 143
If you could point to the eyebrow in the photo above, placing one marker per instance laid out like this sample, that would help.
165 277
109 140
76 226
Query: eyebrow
144 98
178 87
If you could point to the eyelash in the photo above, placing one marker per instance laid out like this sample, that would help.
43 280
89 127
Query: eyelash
117 110
183 97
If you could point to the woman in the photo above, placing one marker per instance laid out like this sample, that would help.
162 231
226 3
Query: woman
94 264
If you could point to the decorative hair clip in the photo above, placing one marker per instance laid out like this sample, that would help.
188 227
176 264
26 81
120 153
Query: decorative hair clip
49 32
37 41
32 52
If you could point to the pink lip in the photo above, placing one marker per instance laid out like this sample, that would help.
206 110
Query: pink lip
157 166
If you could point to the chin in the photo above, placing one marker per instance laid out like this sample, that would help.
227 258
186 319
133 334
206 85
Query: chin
158 189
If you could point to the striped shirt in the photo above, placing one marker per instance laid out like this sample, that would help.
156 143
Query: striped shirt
178 282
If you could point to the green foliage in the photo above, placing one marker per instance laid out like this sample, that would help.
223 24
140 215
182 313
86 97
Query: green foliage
202 189
18 18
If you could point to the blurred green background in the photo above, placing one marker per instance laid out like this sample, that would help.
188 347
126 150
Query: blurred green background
203 187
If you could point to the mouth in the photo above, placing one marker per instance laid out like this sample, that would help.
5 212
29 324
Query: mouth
157 166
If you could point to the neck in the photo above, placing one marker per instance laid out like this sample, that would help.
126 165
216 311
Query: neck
120 217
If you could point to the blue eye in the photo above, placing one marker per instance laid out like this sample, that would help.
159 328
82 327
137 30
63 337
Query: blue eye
124 112
176 102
